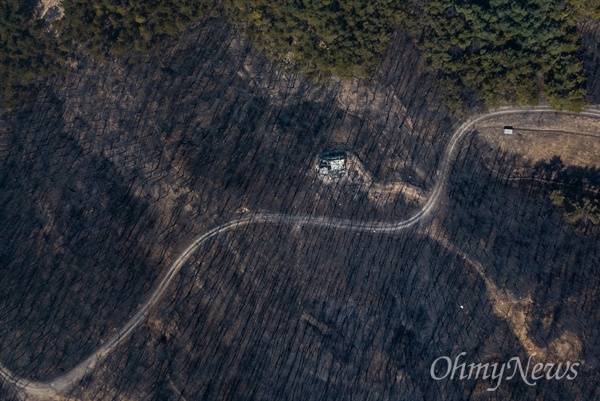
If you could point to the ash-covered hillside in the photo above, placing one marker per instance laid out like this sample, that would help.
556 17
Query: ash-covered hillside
115 168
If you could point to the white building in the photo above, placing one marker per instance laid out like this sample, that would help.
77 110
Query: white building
332 163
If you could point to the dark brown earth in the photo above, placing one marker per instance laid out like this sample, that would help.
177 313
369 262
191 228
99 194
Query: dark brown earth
111 172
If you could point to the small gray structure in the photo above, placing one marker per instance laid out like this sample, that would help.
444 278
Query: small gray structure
332 163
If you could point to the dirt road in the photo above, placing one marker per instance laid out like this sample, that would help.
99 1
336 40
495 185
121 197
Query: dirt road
55 388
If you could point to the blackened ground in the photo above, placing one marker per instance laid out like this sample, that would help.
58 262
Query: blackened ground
109 174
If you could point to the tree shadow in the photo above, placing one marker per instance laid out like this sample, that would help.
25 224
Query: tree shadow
574 190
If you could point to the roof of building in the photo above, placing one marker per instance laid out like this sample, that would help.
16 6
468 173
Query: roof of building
331 155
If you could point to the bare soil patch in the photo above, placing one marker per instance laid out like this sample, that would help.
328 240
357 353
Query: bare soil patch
49 9
537 137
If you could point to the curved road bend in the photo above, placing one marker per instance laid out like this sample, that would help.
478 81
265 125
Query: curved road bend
60 385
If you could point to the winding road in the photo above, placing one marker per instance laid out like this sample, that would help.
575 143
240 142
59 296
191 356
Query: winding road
54 388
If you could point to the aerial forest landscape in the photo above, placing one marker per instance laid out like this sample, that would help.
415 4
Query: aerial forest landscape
299 200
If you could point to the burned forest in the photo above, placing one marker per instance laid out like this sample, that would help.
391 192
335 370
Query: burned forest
202 223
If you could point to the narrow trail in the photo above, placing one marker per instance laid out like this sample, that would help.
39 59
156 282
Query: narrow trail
556 131
357 171
54 389
514 311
